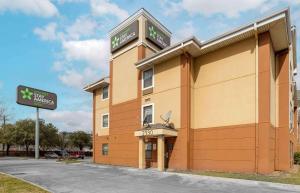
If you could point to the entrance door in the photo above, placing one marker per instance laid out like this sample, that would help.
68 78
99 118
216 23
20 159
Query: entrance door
148 154
169 144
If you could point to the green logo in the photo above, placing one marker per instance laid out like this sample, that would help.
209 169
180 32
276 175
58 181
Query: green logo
152 32
115 42
26 94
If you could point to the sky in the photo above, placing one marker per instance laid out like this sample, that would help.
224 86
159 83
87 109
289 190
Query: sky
62 45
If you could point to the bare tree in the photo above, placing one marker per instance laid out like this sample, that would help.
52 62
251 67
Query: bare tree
4 118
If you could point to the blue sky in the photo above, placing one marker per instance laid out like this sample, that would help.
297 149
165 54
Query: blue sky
61 45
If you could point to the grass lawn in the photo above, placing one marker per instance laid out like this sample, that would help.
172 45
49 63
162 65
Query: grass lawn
286 178
13 185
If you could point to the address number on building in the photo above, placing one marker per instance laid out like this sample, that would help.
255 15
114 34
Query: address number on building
148 132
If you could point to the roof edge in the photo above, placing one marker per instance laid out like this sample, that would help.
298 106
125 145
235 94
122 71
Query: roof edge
229 34
135 15
93 86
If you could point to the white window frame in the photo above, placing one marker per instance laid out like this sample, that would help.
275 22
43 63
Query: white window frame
102 120
142 112
107 93
152 86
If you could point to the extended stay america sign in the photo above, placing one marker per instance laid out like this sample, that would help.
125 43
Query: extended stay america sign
125 36
156 36
36 98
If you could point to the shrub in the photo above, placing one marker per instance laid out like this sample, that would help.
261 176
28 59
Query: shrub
297 158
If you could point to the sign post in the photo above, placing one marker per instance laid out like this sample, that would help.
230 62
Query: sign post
37 135
36 98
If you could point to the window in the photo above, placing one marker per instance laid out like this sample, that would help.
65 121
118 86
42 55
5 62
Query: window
105 93
291 117
105 149
148 78
291 153
148 113
105 121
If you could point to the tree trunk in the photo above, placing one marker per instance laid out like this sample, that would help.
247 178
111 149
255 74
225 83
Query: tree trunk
7 149
27 148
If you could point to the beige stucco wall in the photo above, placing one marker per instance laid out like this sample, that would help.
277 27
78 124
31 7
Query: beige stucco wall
149 52
224 86
166 91
125 77
101 107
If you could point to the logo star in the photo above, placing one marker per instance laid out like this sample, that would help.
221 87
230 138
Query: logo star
152 32
115 42
26 94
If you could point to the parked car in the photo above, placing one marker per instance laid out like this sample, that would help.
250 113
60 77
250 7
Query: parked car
77 154
63 154
51 155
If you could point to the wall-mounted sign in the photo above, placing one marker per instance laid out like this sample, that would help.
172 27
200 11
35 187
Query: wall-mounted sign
125 36
156 36
147 132
36 98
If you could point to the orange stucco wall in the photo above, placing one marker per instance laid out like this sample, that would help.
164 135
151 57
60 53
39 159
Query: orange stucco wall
228 148
265 131
283 135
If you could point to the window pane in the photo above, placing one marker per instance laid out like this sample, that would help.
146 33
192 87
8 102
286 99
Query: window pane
105 149
105 92
105 121
147 78
148 113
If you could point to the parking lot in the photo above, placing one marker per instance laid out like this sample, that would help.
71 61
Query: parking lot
87 177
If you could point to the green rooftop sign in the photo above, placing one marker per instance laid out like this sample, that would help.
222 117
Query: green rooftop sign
36 98
125 36
156 36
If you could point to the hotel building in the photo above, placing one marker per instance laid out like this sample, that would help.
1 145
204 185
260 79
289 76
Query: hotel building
229 100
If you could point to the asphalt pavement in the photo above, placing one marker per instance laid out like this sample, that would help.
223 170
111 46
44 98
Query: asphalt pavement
86 177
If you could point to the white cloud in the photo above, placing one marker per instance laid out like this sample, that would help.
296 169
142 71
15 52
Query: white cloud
70 1
229 8
72 78
43 8
47 33
69 120
82 27
92 51
188 30
78 78
171 8
58 66
80 61
105 7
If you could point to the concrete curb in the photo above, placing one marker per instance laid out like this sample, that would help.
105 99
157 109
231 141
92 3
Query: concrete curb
291 187
23 180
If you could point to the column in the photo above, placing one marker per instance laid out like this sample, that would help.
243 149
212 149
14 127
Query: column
141 153
161 153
